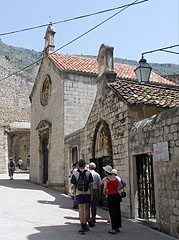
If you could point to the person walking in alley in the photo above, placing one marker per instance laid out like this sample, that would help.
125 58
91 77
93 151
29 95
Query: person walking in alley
111 187
28 162
75 168
11 167
119 191
82 181
96 194
120 180
20 162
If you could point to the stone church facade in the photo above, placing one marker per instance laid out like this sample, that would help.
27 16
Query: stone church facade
61 102
96 110
14 114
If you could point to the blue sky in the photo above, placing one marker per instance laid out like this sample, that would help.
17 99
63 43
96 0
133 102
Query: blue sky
144 27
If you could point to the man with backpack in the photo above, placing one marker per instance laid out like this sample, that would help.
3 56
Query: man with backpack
82 181
11 167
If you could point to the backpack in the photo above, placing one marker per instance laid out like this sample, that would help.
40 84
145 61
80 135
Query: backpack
82 183
11 164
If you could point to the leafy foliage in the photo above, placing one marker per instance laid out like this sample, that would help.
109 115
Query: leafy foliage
21 57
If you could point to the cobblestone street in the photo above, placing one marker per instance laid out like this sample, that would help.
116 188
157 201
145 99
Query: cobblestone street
30 211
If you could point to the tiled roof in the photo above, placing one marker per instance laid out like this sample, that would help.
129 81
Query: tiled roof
89 65
135 93
75 63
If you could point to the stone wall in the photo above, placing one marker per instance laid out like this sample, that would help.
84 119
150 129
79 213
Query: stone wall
110 109
79 95
113 111
14 104
163 127
14 95
3 151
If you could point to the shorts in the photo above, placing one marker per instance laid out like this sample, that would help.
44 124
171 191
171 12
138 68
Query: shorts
83 198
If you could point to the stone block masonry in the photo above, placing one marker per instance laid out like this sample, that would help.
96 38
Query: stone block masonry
14 107
79 95
162 127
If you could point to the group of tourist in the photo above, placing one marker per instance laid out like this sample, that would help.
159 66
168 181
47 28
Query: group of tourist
87 192
12 166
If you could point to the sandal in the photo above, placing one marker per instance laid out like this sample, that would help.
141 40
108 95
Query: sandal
112 232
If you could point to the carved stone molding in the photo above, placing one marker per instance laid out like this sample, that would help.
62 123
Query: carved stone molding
44 127
108 137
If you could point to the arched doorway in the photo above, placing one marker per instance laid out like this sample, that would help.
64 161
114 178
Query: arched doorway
45 160
102 144
102 149
44 131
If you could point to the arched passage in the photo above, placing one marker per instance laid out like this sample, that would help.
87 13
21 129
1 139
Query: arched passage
101 143
102 150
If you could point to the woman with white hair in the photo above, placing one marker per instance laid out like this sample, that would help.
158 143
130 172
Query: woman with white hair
111 187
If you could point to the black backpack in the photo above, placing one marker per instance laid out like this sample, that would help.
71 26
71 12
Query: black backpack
11 164
82 183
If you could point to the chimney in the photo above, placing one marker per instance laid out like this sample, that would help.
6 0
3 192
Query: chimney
49 40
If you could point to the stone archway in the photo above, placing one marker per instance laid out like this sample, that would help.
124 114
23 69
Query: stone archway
102 143
102 150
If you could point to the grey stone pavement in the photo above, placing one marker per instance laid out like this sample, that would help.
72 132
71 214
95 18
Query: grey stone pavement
30 211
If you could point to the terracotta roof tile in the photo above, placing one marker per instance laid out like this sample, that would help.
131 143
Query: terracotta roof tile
75 63
135 93
90 65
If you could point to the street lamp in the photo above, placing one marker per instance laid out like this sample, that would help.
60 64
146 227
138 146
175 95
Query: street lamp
143 71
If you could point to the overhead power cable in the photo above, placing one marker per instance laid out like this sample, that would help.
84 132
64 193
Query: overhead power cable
70 19
75 39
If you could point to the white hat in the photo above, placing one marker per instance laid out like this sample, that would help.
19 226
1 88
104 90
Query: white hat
108 169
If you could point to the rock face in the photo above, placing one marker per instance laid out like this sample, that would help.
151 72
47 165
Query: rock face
14 108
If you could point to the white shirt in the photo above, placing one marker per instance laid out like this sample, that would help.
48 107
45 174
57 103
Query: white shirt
96 179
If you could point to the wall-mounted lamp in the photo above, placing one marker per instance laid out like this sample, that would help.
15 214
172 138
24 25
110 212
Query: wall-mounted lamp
143 71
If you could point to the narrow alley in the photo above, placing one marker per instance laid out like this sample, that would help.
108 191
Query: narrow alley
30 211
